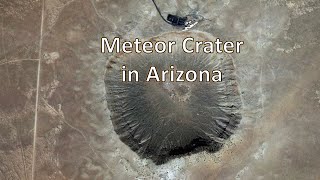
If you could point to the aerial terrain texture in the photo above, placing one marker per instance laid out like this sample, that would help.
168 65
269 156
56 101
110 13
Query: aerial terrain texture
59 118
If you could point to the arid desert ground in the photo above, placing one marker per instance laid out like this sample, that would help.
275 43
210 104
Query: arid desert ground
54 120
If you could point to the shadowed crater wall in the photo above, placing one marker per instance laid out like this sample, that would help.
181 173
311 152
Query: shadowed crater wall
164 120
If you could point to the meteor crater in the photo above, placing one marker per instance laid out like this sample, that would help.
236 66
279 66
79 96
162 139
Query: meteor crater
164 120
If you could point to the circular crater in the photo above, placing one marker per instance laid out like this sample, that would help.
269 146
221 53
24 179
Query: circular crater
163 120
